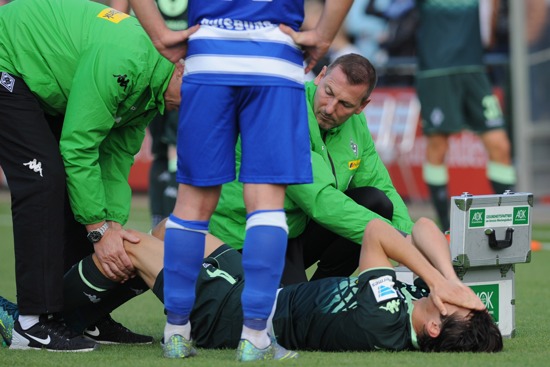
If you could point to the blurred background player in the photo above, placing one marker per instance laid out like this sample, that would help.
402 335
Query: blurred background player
455 94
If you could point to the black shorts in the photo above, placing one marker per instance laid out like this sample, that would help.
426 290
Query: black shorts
217 316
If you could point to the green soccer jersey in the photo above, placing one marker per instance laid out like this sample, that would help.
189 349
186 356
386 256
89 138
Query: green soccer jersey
448 37
369 312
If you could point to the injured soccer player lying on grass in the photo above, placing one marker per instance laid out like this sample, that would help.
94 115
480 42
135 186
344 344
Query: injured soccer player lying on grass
368 312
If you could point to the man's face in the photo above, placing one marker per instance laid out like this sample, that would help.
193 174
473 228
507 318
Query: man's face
336 100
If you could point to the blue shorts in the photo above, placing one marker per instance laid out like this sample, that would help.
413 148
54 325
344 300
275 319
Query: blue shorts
273 127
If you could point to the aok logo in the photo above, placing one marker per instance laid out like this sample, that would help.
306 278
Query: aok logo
477 217
488 294
521 215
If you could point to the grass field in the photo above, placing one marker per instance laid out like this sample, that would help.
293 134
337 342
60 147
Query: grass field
530 346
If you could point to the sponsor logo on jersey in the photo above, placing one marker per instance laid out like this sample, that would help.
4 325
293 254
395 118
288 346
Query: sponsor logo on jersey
382 288
112 15
353 165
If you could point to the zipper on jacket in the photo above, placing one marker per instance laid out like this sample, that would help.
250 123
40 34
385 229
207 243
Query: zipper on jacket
324 135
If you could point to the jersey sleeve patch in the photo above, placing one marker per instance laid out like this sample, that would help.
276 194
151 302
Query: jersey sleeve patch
382 288
112 15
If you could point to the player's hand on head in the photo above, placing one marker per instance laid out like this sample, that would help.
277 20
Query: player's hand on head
312 43
173 44
456 293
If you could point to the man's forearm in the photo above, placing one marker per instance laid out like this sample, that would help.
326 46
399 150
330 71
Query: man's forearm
434 246
381 241
332 18
150 18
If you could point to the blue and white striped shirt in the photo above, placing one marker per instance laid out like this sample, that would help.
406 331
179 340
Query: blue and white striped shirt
239 43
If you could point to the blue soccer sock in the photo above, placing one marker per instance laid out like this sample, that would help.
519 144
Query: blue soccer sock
183 256
263 261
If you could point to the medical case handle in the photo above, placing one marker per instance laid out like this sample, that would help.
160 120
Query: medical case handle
499 244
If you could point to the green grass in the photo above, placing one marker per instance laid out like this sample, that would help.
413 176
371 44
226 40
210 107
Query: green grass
144 314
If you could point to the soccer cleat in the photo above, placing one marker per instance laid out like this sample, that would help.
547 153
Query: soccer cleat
178 347
52 335
281 352
108 331
247 352
8 314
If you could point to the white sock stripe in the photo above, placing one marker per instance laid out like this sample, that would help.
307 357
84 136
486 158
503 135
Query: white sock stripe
268 218
174 225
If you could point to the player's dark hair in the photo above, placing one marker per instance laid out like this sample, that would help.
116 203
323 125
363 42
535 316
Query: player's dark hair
358 70
476 333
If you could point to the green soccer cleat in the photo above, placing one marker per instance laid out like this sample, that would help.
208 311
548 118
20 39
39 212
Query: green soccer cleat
8 314
178 347
281 353
247 352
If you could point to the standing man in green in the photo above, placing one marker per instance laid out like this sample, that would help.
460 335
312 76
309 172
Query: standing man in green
79 82
455 94
163 187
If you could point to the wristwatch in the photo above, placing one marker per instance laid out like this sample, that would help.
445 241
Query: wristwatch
96 235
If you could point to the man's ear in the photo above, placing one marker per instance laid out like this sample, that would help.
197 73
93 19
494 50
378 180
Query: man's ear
179 69
433 328
320 76
362 106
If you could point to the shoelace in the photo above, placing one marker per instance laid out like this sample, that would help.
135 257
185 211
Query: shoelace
59 328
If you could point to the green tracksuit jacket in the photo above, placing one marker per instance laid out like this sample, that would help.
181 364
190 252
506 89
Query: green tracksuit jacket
342 158
99 69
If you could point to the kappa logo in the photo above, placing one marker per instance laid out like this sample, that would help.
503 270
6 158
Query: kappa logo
35 166
136 291
7 81
392 306
122 80
92 297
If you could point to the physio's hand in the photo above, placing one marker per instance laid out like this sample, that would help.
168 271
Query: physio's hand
173 44
111 254
457 293
312 43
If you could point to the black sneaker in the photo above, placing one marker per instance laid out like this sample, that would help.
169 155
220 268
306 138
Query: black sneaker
52 335
108 331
